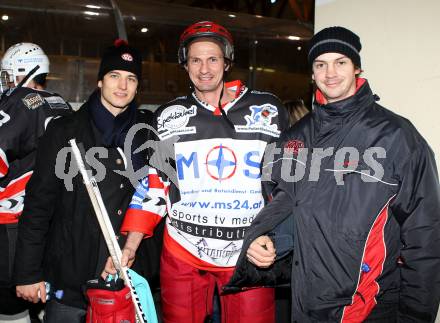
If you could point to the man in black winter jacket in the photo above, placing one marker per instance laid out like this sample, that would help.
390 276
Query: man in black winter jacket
357 195
59 239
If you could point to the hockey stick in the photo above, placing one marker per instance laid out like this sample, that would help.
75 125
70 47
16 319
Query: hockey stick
107 229
28 75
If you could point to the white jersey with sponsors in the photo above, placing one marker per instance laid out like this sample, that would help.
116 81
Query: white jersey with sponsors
209 184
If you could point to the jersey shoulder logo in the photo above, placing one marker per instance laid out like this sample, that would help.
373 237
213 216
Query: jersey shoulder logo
56 102
174 119
260 120
261 114
33 101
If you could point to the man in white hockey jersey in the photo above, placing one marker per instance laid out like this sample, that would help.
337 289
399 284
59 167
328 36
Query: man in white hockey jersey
212 194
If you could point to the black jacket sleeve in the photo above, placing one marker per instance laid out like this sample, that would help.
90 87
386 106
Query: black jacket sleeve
417 209
275 220
246 274
42 192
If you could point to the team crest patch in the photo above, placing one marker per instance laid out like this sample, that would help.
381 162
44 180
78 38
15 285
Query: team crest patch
56 102
33 101
173 121
260 120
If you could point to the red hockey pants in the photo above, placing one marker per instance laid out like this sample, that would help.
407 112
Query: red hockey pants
187 295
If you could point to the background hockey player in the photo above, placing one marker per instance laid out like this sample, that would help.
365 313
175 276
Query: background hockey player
25 110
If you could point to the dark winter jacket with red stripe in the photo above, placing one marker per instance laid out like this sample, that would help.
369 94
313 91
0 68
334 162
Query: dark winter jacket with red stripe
361 202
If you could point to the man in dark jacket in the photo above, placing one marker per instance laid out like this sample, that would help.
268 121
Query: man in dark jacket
357 193
59 239
25 110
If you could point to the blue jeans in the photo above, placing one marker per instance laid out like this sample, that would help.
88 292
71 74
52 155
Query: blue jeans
56 312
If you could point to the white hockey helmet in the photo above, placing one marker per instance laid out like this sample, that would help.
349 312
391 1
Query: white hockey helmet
21 59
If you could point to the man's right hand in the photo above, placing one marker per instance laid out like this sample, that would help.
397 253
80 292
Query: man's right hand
261 252
32 293
128 253
127 259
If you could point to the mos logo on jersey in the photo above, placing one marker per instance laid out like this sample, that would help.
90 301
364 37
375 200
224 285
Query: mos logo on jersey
220 163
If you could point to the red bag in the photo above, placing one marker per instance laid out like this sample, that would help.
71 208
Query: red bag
109 306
